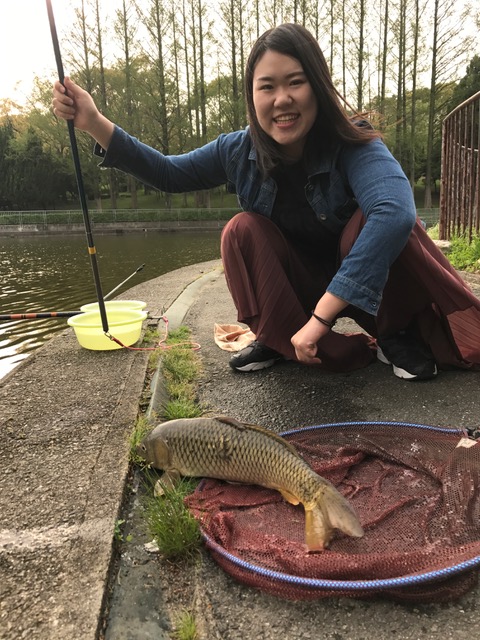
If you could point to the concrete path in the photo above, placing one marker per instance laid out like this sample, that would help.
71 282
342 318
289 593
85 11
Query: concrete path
65 416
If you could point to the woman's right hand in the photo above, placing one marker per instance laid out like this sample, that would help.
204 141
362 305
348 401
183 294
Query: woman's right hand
71 102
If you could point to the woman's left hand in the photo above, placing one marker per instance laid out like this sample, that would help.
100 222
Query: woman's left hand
305 341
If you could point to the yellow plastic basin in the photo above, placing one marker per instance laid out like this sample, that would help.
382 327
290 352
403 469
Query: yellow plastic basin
123 324
115 305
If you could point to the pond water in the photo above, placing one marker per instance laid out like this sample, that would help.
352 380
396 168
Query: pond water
54 273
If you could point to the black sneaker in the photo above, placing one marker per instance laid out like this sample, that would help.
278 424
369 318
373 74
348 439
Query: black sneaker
254 357
410 358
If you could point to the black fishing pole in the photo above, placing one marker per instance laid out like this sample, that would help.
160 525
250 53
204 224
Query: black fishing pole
39 315
81 190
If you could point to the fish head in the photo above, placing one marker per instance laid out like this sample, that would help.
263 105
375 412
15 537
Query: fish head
154 450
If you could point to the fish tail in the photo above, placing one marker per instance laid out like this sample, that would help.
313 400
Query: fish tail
340 512
318 531
330 511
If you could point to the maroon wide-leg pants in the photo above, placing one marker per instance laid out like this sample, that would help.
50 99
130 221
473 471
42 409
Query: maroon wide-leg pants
274 287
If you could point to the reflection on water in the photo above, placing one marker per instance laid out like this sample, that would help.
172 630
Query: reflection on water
52 273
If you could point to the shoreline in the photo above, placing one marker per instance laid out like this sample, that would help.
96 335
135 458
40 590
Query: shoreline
117 228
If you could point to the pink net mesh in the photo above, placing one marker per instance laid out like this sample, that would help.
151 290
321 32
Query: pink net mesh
417 496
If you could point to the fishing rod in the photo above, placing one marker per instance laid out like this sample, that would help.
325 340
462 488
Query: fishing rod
37 316
110 293
78 172
32 315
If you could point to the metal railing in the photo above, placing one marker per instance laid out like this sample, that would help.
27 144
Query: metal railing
460 179
429 217
174 217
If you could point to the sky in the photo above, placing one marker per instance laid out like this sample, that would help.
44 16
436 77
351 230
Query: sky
26 48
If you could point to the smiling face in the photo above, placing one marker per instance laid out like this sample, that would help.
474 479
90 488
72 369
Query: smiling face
284 102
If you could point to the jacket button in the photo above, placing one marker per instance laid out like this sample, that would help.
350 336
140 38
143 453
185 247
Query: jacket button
322 216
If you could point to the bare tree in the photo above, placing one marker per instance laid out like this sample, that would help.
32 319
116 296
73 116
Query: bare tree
81 61
125 29
153 18
416 34
383 66
97 50
401 70
355 51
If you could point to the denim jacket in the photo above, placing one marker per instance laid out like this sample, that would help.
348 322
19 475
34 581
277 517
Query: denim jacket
354 176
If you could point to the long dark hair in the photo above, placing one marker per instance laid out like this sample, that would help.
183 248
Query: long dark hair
332 124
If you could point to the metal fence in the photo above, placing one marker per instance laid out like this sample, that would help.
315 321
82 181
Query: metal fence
429 217
460 181
172 217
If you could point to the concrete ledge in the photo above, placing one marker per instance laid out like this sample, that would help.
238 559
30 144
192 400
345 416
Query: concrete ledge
65 417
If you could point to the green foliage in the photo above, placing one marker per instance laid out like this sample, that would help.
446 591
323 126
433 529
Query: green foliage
181 369
32 176
181 408
118 532
150 337
170 523
185 627
462 254
142 428
173 528
465 255
180 364
149 93
7 167
469 85
400 141
434 232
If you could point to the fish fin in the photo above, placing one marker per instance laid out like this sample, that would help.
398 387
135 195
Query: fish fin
255 427
318 531
227 420
167 481
289 497
339 512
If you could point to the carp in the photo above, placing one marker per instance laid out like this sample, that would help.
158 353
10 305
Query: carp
226 449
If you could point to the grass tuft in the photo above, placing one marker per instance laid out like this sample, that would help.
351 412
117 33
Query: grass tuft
434 232
465 255
171 524
180 365
181 408
181 370
186 627
142 428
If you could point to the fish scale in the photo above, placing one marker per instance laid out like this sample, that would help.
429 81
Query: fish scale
247 454
226 449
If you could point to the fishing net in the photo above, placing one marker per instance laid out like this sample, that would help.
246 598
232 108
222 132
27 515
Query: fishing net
415 489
